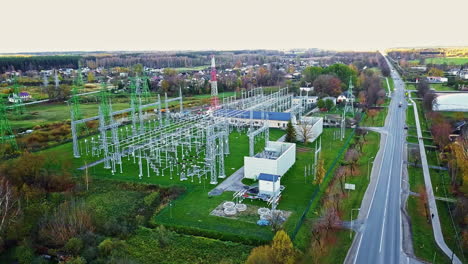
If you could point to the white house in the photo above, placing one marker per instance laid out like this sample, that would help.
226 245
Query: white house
311 127
436 79
276 159
464 74
453 71
23 96
269 184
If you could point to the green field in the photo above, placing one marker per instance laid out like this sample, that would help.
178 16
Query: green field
40 114
190 69
378 121
449 61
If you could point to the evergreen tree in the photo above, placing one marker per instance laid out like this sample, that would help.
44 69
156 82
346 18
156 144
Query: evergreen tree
290 132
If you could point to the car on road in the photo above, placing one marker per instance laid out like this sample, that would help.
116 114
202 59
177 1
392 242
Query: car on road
400 104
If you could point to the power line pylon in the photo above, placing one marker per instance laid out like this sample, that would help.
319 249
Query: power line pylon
349 106
6 134
75 100
18 102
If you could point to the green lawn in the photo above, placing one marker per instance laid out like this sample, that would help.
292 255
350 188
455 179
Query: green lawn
449 60
354 198
442 87
377 121
423 238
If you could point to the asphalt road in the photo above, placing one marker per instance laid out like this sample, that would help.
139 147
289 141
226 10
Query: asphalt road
380 239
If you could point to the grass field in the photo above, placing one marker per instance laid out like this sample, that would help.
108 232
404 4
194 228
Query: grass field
144 247
435 86
190 69
423 238
449 60
40 114
377 121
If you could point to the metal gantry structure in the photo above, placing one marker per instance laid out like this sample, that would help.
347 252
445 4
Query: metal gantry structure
179 144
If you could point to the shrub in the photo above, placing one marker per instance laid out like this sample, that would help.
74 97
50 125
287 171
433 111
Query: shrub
77 260
151 198
74 246
24 254
69 220
107 246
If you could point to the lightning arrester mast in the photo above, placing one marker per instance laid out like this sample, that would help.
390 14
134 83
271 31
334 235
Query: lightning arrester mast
214 85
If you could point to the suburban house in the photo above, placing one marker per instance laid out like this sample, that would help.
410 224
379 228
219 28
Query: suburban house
436 79
23 96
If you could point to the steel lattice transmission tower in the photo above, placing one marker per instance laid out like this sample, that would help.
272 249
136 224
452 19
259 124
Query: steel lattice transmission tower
214 85
349 106
75 100
6 134
19 106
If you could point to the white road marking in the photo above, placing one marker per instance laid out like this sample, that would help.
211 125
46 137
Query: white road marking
386 200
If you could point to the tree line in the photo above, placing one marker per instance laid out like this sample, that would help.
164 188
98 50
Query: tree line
37 63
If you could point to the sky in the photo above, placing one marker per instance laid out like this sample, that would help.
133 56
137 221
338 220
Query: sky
90 25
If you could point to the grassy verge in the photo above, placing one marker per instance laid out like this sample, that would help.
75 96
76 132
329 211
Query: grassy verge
423 238
377 121
145 247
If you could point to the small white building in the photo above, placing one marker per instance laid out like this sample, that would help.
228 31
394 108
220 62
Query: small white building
269 184
464 74
276 159
304 100
436 79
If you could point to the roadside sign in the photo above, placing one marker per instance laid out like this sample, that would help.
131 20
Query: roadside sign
349 186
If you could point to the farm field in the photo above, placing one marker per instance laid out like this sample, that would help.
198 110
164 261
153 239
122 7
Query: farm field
449 60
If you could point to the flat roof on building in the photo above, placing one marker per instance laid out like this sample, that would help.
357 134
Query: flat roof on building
245 114
268 177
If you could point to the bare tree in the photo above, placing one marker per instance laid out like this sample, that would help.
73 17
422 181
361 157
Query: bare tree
352 157
340 173
414 156
9 205
304 131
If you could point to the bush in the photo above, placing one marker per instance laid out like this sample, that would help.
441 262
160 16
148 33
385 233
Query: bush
77 260
74 246
151 198
24 254
69 220
107 246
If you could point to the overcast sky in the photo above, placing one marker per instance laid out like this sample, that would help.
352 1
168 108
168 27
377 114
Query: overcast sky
87 25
